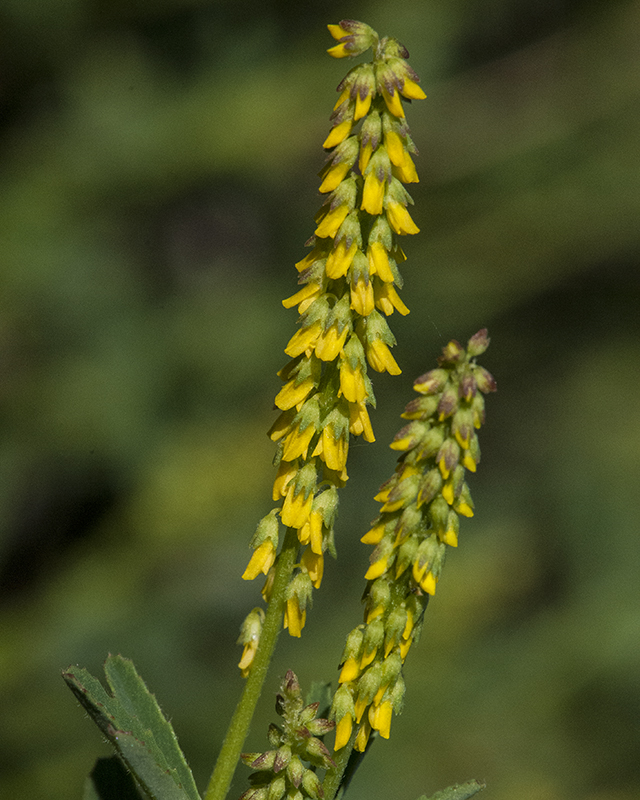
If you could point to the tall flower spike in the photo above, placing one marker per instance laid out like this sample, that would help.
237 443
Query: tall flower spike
348 286
419 517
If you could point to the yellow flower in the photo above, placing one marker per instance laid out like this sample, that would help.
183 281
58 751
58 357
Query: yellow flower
350 670
362 737
363 104
406 172
352 384
334 177
296 508
373 193
331 343
412 91
286 471
303 339
339 133
359 422
335 449
364 157
314 564
380 358
340 258
307 293
343 731
393 102
330 223
290 394
297 443
362 299
261 560
379 262
294 618
387 299
380 718
400 219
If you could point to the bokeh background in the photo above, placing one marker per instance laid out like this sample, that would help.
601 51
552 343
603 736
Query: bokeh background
158 164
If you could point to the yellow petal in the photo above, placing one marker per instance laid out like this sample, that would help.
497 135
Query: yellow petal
393 102
261 561
343 129
400 219
379 262
332 221
334 177
343 731
412 91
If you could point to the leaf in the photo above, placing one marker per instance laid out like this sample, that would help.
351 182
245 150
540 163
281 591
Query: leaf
133 722
109 780
457 792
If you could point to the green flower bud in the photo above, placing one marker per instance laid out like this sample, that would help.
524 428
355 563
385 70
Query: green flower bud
478 343
295 771
282 759
430 485
485 380
312 785
277 788
452 354
432 382
448 403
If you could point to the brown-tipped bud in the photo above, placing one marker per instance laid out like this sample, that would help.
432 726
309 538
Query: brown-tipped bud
478 343
462 426
311 784
468 386
275 735
308 713
452 353
295 771
431 443
379 595
277 788
485 380
431 382
259 761
477 408
421 408
448 457
320 726
448 403
282 759
439 513
406 554
317 752
430 486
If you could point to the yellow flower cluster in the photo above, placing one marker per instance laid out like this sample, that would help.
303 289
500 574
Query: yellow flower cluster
348 281
420 511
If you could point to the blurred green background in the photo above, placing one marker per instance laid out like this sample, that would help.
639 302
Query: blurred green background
157 183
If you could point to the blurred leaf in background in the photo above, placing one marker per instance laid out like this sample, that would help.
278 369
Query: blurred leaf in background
157 181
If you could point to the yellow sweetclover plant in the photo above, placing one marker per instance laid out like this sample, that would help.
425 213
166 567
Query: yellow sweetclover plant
349 282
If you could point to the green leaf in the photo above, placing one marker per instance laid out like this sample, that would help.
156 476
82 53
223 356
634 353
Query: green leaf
109 780
132 720
457 792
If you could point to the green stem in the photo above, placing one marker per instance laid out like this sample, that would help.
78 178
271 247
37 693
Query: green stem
332 779
239 726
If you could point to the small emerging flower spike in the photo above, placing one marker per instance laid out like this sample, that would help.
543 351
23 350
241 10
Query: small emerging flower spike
419 518
348 286
281 771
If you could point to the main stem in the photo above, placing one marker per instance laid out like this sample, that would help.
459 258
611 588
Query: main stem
332 779
239 726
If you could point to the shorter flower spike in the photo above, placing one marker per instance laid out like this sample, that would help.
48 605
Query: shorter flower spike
419 517
281 771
